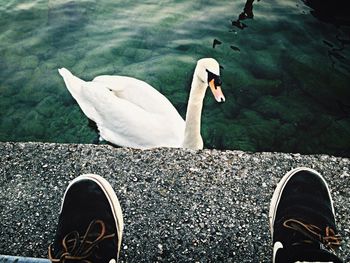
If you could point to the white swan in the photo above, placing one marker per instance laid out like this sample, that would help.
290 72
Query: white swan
129 112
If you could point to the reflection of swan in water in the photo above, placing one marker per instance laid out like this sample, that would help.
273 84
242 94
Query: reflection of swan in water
129 112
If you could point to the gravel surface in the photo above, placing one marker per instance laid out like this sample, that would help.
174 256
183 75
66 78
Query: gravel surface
178 205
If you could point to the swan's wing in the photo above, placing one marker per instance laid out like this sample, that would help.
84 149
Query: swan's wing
139 93
126 124
122 122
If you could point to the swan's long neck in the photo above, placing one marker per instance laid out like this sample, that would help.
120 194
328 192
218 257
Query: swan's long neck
192 138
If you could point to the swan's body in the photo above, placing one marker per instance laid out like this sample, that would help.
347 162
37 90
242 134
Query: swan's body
129 112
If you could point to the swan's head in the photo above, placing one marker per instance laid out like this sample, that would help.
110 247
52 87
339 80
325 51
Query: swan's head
208 71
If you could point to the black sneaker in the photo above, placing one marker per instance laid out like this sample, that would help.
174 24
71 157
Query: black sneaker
90 224
302 219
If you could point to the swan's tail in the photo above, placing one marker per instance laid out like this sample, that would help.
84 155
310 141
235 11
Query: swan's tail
77 88
73 84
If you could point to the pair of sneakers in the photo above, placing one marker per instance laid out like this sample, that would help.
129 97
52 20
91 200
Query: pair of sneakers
301 218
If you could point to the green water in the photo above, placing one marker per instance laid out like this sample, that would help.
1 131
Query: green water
284 92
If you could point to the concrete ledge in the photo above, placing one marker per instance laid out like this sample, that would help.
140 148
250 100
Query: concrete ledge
179 205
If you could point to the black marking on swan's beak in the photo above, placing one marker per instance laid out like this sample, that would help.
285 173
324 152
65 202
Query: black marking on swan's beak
214 82
216 78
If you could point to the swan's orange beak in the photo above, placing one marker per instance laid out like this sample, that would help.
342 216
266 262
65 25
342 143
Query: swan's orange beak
217 92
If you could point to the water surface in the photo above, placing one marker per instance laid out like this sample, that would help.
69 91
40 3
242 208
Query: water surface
285 77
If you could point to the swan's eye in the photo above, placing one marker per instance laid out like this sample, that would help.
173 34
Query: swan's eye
217 81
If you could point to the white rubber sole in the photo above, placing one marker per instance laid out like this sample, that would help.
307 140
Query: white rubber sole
111 197
280 187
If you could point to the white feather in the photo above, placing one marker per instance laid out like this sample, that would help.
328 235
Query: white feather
129 112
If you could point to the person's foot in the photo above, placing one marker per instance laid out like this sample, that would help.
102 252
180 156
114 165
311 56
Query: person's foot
90 224
302 218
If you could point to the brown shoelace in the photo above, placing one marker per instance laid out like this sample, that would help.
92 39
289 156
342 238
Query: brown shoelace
327 237
79 248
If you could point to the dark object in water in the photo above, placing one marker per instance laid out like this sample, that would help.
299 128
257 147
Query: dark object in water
239 24
247 11
216 42
328 43
330 11
235 48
